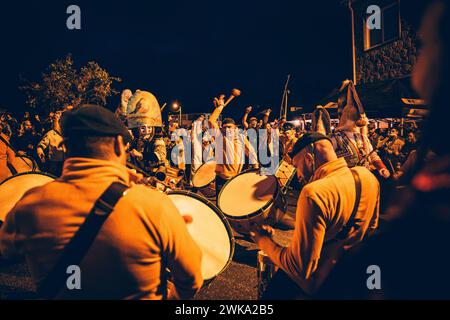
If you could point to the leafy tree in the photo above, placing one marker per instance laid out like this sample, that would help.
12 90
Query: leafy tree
63 84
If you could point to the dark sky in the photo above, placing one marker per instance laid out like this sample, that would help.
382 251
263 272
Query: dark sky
187 50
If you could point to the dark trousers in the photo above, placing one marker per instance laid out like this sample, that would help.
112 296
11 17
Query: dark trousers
282 287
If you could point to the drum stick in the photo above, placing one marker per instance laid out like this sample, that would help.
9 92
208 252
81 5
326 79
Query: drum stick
234 93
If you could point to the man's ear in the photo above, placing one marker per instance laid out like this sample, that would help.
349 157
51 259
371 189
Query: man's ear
119 147
309 160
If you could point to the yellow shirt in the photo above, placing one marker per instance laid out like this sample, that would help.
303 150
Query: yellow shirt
324 207
144 235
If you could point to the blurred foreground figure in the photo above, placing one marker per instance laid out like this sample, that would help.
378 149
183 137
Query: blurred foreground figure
6 155
336 209
412 255
144 234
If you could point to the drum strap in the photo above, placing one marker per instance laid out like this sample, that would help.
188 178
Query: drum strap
7 143
79 245
352 221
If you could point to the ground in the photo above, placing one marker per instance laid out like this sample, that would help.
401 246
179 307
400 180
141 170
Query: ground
238 281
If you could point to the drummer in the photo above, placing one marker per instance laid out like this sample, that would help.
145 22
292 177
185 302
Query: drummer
330 217
230 146
144 235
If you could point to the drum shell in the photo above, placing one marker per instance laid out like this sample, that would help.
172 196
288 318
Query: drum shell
17 185
22 164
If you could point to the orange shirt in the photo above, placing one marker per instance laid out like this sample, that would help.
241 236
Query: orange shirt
324 207
144 235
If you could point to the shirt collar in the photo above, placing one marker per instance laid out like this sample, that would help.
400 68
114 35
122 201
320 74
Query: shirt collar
94 170
329 167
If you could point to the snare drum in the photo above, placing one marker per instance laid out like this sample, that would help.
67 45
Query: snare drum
285 173
209 229
204 179
13 188
251 198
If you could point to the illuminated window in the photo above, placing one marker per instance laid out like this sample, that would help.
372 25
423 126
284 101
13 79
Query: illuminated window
390 27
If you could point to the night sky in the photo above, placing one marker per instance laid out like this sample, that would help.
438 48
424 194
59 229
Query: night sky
187 50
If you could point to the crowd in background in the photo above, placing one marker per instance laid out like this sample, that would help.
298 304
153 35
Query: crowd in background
40 139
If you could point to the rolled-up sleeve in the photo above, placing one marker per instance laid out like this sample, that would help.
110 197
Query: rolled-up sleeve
300 259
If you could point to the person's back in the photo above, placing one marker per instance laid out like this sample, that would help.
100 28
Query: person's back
335 195
144 234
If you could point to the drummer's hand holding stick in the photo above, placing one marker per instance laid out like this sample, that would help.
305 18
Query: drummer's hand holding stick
259 233
40 154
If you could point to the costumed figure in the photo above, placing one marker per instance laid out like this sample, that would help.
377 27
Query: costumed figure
350 139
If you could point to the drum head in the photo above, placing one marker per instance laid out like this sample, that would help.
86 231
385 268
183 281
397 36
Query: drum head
209 229
246 194
13 188
205 174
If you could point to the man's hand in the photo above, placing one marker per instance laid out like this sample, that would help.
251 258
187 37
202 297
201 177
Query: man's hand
41 154
257 233
219 102
188 219
248 109
384 173
136 154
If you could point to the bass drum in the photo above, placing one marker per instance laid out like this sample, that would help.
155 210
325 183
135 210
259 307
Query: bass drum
23 164
209 229
13 188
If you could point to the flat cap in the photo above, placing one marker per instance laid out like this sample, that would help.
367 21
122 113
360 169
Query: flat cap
92 120
306 140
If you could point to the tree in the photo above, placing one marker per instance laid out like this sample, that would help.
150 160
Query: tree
63 84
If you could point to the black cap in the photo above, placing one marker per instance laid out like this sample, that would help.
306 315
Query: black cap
306 140
288 126
228 121
92 120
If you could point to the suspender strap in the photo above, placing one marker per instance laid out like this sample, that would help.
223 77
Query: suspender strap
352 221
79 245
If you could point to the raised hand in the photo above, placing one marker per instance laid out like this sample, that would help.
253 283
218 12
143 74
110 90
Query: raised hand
219 102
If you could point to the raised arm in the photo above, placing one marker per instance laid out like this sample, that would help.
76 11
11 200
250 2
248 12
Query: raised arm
219 104
244 118
266 117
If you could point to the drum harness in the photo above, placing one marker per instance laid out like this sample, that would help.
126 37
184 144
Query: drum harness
80 243
352 221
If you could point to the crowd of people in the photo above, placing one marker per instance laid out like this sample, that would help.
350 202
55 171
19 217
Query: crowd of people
339 170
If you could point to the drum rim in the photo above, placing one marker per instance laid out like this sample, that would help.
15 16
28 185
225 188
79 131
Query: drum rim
255 213
26 173
207 184
222 217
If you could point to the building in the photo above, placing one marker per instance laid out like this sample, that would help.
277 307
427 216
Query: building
384 54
